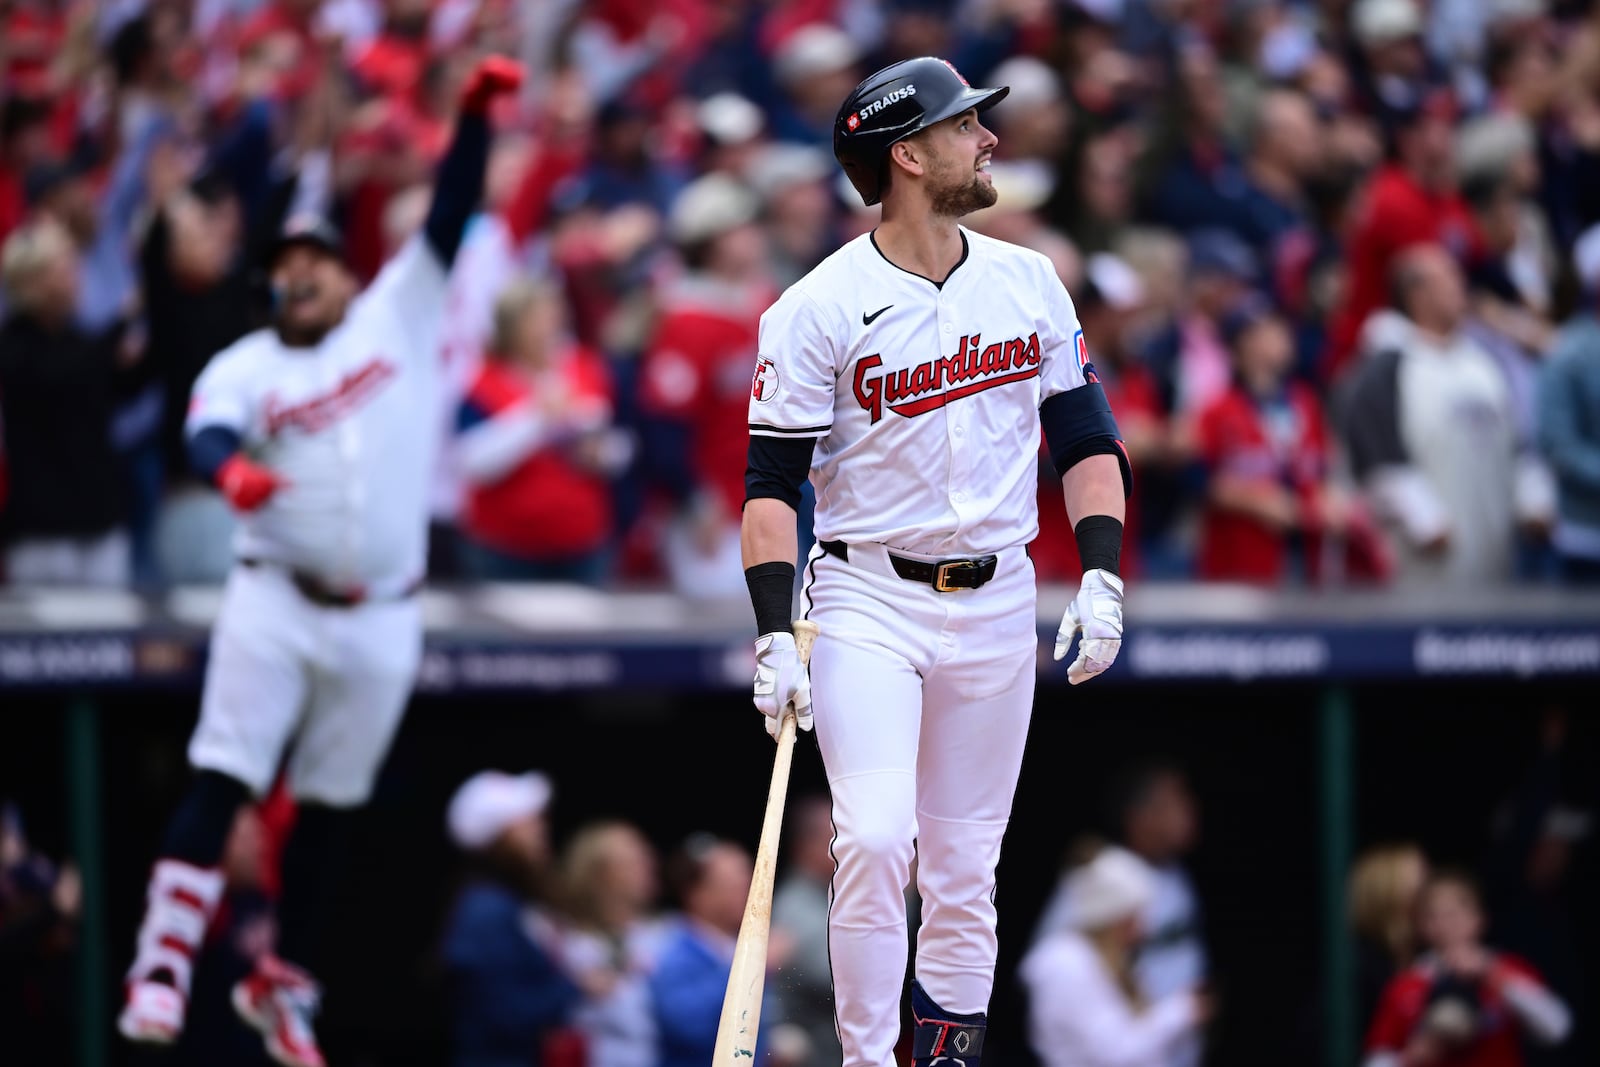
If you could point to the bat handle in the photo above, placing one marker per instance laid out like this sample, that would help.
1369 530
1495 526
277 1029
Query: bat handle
805 635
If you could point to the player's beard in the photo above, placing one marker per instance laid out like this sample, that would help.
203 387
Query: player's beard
959 198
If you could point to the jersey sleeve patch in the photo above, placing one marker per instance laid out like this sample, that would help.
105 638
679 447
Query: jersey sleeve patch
765 383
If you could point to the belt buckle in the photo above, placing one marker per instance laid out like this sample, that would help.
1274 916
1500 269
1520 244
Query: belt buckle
943 571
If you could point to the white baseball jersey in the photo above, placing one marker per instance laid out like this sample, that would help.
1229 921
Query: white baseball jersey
924 399
348 424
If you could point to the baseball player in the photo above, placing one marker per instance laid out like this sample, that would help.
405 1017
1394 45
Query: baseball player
311 431
910 373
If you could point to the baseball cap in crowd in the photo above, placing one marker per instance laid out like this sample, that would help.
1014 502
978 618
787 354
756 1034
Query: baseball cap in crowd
1033 83
729 119
307 231
1380 22
1113 886
781 166
1217 251
1114 281
813 50
1488 146
490 801
709 207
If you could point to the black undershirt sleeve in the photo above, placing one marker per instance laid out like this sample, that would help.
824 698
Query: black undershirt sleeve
777 467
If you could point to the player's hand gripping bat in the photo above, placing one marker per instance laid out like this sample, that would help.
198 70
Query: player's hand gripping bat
741 1004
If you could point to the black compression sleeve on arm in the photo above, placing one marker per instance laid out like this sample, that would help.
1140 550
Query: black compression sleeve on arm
776 467
772 595
1079 424
459 186
1099 543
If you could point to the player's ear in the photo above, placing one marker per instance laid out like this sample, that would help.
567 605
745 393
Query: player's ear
907 155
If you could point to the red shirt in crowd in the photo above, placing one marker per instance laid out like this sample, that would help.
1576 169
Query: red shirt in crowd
549 506
1405 1002
697 372
1284 445
1397 213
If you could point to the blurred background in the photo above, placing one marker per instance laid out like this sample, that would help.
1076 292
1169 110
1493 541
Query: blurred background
1336 264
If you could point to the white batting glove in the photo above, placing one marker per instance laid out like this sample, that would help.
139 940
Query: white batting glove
781 680
1097 611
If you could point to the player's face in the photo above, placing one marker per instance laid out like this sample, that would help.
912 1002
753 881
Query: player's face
313 289
958 181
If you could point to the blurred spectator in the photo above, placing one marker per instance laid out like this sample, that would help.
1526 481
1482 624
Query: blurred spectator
1569 424
800 917
1189 354
196 270
1385 885
1033 121
509 995
1511 285
711 879
1287 151
536 450
610 887
1411 200
625 167
1429 424
1532 880
816 67
39 905
1153 814
1462 1003
1391 61
1198 180
1096 208
1109 300
1086 1007
1274 511
66 507
695 388
797 208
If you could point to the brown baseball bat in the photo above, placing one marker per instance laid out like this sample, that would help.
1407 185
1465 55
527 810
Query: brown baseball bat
741 1003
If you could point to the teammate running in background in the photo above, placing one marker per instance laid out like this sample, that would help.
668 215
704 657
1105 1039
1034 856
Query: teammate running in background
313 431
910 373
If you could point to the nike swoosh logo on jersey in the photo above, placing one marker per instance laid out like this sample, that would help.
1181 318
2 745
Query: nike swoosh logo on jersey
868 320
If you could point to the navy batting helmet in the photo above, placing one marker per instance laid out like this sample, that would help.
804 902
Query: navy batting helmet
901 99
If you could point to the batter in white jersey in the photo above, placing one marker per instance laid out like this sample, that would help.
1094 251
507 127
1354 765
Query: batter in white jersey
909 374
319 432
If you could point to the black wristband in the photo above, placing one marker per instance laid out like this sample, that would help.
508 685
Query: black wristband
772 595
1099 542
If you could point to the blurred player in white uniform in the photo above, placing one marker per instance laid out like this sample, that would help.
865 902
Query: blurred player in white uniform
910 374
317 432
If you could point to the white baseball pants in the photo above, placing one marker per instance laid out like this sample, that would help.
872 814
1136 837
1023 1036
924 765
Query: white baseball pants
333 682
921 702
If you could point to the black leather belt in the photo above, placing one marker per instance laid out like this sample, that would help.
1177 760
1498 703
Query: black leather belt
323 595
946 575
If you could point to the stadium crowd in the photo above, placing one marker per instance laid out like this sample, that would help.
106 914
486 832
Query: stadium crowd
1334 259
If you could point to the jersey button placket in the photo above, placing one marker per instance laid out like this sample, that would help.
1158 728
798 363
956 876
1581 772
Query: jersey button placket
955 434
350 532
